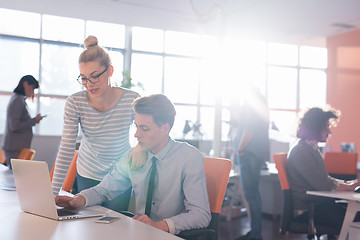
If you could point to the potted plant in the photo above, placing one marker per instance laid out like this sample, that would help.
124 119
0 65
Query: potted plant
127 81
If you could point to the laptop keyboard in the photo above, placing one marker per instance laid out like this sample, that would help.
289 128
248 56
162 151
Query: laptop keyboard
64 212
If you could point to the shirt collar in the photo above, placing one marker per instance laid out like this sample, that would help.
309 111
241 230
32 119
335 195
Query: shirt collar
313 144
161 155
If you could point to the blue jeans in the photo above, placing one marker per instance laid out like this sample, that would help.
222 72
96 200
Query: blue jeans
119 203
85 183
250 167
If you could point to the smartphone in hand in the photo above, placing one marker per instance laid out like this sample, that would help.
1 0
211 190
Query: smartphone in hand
107 219
46 114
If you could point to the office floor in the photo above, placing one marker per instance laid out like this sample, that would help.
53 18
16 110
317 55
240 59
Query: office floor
229 230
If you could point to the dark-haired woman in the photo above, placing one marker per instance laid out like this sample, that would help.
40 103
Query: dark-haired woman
306 169
18 129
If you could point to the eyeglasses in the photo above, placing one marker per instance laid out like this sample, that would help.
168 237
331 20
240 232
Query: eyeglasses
93 79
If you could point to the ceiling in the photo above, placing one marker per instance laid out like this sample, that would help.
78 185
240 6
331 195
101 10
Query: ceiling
300 21
293 21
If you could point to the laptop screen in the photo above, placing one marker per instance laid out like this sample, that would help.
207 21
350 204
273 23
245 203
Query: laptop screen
348 147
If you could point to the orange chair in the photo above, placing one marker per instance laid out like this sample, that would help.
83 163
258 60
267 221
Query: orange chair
288 223
341 165
2 157
70 175
26 154
217 172
52 172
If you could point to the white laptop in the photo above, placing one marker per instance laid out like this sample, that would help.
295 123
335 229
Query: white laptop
35 193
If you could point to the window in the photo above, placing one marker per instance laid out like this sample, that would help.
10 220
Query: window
147 39
117 59
22 58
245 51
312 88
313 57
180 43
72 30
285 121
54 109
108 34
283 54
209 83
55 56
226 125
207 116
60 68
192 70
19 23
183 113
147 70
282 88
181 79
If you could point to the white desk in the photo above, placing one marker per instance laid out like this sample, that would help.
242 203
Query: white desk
352 208
17 225
270 191
354 230
6 178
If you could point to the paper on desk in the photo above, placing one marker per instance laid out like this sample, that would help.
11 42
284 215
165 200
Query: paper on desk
7 188
7 182
65 193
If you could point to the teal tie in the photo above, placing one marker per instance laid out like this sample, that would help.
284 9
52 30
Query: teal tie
151 187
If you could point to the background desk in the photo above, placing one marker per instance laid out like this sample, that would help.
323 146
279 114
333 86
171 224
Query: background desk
352 208
270 191
18 225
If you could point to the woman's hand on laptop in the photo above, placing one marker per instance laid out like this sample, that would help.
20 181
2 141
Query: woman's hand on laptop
72 202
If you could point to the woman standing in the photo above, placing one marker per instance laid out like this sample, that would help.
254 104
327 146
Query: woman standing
104 113
18 129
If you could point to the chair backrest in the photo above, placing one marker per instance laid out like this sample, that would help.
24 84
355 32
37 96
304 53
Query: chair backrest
26 154
281 160
217 172
303 224
70 175
2 157
52 172
341 164
286 217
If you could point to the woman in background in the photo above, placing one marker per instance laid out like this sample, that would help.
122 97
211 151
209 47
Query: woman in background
18 129
104 113
307 172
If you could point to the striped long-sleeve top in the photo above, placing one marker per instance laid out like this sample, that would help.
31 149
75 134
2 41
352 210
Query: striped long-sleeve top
105 136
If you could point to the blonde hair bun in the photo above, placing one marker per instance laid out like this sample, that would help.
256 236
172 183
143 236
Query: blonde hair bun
90 41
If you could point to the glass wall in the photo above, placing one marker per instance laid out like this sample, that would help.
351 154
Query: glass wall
191 69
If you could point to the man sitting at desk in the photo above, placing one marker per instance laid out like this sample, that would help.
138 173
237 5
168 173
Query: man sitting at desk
306 169
179 200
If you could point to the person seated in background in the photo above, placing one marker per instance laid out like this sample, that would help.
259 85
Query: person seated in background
306 168
179 200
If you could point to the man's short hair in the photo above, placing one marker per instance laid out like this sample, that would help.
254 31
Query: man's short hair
314 120
158 106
